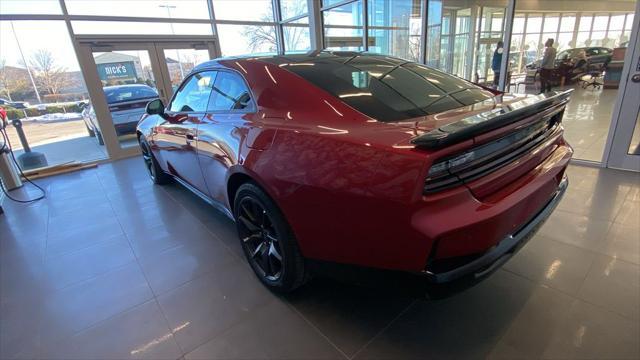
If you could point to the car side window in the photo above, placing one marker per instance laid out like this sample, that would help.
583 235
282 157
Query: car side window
194 93
592 52
229 93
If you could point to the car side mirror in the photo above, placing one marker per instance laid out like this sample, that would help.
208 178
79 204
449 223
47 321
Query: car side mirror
155 107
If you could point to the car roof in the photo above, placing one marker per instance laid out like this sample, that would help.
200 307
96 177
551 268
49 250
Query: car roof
308 57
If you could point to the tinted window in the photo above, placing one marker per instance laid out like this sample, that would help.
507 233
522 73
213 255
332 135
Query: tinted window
229 93
128 93
391 91
592 52
193 95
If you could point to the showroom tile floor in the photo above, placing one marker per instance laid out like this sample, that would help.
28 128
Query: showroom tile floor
111 267
587 119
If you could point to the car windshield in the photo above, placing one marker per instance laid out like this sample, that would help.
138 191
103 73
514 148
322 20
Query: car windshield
128 93
391 91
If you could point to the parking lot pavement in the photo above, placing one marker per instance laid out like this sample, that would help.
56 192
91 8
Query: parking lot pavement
60 142
39 133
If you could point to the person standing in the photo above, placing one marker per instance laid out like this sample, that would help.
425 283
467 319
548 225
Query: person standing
547 66
496 62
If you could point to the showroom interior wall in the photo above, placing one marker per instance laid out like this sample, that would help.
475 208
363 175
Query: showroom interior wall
457 36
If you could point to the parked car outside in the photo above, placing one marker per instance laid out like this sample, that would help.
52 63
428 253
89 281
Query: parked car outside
126 105
361 159
14 104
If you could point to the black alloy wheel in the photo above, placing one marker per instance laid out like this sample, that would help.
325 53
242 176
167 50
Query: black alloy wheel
267 240
156 174
260 238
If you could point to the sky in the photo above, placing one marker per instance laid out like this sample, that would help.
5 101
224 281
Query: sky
53 35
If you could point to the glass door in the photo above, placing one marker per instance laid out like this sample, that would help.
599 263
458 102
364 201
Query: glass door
123 77
624 142
129 80
491 30
179 59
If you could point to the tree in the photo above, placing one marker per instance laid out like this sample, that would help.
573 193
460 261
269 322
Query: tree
48 75
12 80
260 37
296 37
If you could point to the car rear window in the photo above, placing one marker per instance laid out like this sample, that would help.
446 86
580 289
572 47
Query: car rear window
391 91
129 93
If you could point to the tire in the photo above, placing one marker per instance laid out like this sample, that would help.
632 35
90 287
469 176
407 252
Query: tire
267 240
99 137
90 131
156 174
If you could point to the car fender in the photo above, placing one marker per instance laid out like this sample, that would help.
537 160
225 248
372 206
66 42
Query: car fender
247 173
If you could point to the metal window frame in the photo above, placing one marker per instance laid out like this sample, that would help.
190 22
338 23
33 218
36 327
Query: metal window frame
365 25
506 38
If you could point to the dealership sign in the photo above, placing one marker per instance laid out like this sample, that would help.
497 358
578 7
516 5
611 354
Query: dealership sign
117 71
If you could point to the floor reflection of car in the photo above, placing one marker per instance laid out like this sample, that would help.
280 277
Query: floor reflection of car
126 104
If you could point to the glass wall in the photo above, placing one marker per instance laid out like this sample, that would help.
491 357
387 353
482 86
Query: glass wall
568 29
262 36
343 29
490 32
459 37
180 9
238 39
41 80
449 37
34 7
394 27
583 46
247 39
295 26
296 36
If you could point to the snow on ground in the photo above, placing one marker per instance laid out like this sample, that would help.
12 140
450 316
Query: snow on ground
55 117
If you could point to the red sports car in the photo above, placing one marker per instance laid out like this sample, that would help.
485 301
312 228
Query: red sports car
361 159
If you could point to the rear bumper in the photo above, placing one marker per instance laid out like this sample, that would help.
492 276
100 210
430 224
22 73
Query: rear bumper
126 128
503 250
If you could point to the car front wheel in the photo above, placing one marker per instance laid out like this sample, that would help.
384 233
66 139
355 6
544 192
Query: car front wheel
156 174
267 240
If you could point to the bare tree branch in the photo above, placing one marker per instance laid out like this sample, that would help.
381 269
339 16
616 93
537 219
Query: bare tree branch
260 37
51 77
11 80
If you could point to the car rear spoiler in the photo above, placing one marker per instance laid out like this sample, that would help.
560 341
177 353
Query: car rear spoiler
486 121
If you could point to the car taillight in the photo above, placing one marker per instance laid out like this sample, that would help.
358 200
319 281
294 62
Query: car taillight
444 167
490 156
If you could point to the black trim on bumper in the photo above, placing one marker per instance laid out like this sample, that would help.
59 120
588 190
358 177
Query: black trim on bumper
507 247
